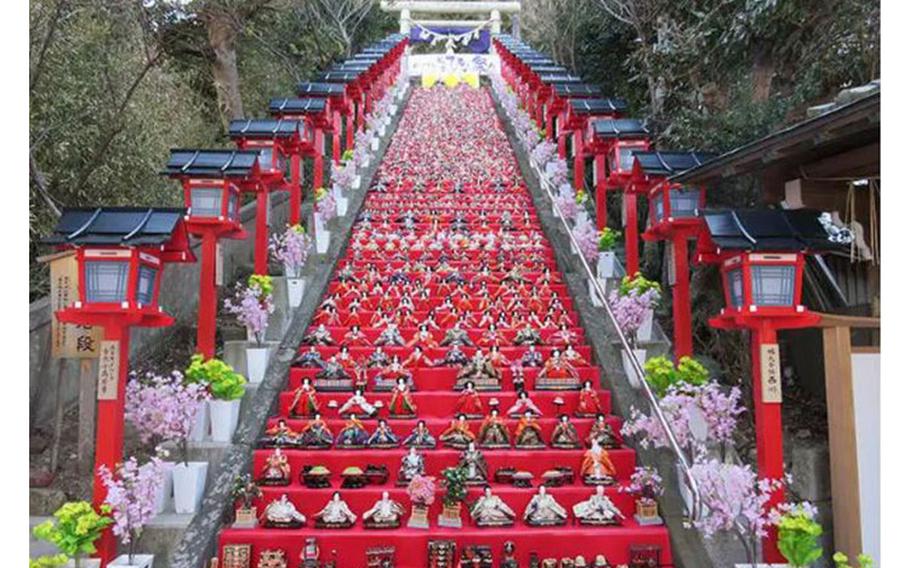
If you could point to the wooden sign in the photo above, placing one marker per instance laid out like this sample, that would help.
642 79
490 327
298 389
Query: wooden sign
69 340
108 370
771 390
671 263
219 265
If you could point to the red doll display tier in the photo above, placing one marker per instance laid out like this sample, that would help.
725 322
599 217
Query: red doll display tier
447 337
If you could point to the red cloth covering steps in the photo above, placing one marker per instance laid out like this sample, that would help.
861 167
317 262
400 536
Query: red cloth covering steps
448 138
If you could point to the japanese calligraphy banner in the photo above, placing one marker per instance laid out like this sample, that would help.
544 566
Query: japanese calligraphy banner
69 340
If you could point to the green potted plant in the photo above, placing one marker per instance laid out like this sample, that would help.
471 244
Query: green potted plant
841 561
227 388
661 373
55 561
454 480
797 537
606 256
74 530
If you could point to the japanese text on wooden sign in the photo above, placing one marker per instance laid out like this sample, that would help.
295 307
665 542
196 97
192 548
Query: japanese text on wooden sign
108 370
69 340
771 390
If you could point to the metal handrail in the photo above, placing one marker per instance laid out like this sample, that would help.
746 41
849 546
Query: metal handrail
695 512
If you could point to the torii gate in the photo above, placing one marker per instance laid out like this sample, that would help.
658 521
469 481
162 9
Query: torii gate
493 9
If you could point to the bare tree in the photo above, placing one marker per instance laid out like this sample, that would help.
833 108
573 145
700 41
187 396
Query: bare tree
341 19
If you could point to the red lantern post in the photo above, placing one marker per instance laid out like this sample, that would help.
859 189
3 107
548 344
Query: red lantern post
212 199
558 109
672 216
354 97
579 113
762 258
338 106
612 142
121 253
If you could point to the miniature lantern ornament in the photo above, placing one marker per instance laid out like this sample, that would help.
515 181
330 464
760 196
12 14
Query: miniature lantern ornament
339 106
611 142
315 117
121 253
212 181
673 216
762 256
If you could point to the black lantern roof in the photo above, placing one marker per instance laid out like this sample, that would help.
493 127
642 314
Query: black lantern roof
310 105
669 163
597 106
576 90
124 226
340 76
553 78
263 128
351 66
548 68
619 128
365 57
309 88
211 163
770 230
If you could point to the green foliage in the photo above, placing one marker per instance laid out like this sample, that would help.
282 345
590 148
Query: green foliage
608 238
347 156
797 539
841 561
454 479
76 528
261 281
48 561
223 382
661 374
637 284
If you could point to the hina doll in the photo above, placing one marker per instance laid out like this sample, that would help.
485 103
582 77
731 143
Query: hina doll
523 403
304 404
528 434
423 339
402 404
491 511
493 432
603 433
588 402
353 434
417 358
276 471
496 358
479 370
355 338
557 368
357 404
335 515
280 436
492 337
383 437
469 402
527 336
334 373
316 434
596 466
572 356
310 359
377 359
564 336
282 514
457 336
384 514
532 357
411 464
544 511
390 336
474 465
458 434
597 510
420 437
319 336
390 375
565 436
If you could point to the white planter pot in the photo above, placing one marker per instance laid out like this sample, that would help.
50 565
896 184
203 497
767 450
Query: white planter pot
189 485
84 563
381 129
374 144
647 323
225 414
165 501
342 206
394 108
200 430
257 359
336 192
138 561
295 291
322 241
606 264
292 272
629 367
594 299
386 120
357 181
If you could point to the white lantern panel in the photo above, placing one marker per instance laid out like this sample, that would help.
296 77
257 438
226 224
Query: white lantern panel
735 287
773 285
205 201
145 285
105 281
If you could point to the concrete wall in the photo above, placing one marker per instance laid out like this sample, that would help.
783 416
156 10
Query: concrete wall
179 297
